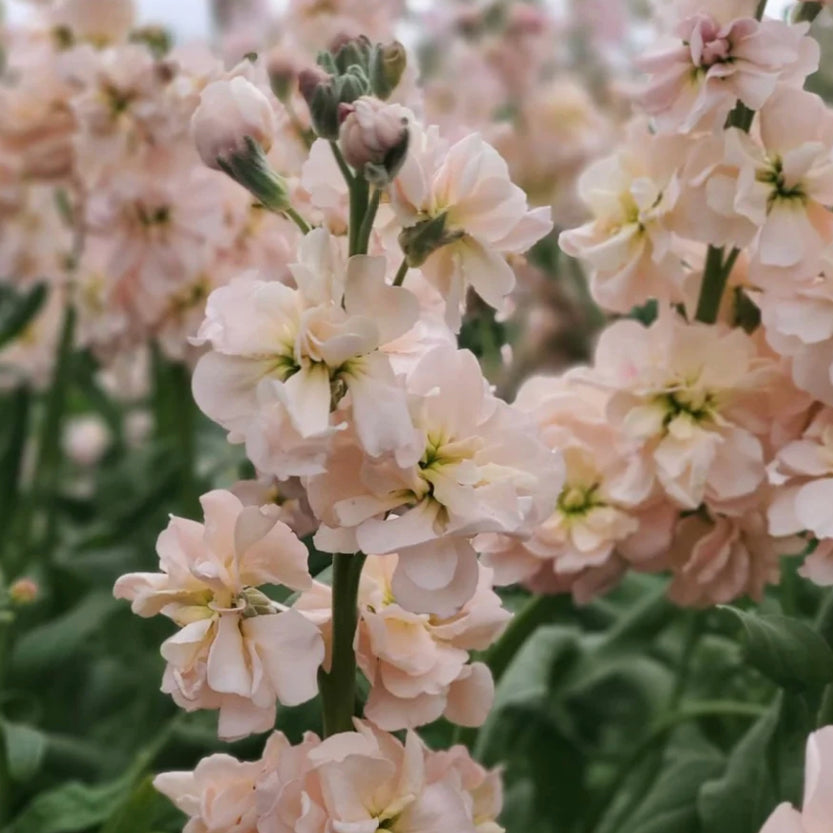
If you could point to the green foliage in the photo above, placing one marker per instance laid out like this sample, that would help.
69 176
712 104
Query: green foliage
786 650
18 309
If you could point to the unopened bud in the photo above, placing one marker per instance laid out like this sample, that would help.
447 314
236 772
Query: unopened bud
323 97
350 52
374 138
283 74
24 591
231 115
233 129
418 242
253 171
387 63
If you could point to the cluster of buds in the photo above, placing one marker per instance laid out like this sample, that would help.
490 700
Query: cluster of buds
346 95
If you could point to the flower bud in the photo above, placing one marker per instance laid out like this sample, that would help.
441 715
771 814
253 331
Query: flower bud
387 63
86 439
233 129
230 113
283 74
374 137
351 52
24 591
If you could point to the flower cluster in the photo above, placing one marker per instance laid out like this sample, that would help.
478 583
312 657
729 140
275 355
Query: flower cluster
717 207
359 780
694 443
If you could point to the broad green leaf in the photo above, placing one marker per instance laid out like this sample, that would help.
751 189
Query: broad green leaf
763 770
17 311
25 748
140 812
528 675
71 807
786 650
671 803
60 638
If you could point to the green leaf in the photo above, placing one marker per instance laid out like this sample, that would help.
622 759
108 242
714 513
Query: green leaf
25 748
528 675
74 807
764 769
71 807
140 812
786 650
671 803
60 638
18 310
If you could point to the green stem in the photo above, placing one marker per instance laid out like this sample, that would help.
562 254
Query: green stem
358 210
401 272
825 715
338 687
807 12
342 165
47 468
537 611
715 275
296 218
363 240
11 461
6 621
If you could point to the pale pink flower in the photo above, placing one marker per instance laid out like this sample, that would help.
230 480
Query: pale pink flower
478 467
720 55
630 242
275 794
29 358
798 323
323 182
360 781
282 356
694 398
816 815
36 123
417 665
720 559
371 781
35 238
802 487
237 651
160 224
784 185
288 794
126 105
218 795
559 130
483 786
289 496
608 508
462 214
230 112
97 21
